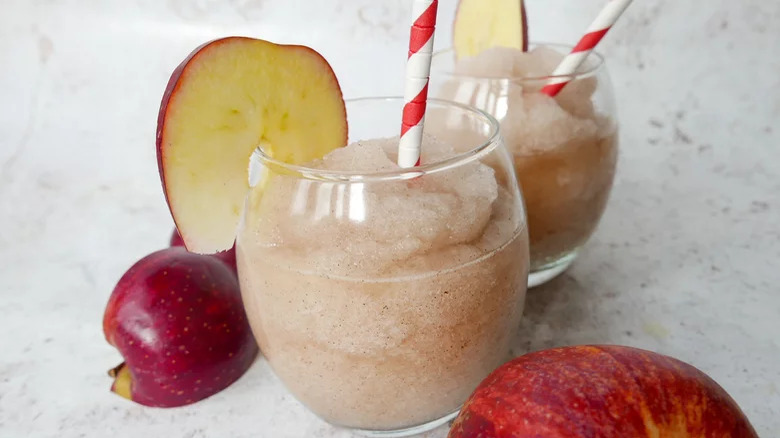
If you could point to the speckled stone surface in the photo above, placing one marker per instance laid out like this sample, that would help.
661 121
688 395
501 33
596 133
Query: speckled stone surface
686 261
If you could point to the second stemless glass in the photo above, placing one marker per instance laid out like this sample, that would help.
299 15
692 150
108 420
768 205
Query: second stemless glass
564 149
382 297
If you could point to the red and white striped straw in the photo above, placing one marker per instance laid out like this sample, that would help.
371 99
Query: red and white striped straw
606 18
418 71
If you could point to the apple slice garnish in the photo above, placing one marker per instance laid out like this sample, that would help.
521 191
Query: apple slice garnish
482 24
228 97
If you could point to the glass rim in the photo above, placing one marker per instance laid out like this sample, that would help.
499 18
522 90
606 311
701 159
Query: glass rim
579 74
328 175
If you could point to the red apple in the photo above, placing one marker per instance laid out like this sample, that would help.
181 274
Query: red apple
228 256
178 321
599 391
482 24
176 239
227 98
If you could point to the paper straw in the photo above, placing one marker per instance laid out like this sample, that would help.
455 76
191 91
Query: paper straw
604 21
418 70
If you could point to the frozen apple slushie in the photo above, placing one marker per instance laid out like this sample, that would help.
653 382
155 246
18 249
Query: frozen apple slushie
564 145
383 304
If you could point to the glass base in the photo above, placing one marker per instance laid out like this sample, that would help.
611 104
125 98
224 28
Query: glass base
409 431
551 270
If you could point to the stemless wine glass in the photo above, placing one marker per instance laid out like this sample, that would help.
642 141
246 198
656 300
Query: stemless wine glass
564 148
382 296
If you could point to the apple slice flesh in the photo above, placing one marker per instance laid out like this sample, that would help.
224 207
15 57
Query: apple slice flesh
482 24
227 98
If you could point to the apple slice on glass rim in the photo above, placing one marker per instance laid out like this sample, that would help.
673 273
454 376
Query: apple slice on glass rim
228 97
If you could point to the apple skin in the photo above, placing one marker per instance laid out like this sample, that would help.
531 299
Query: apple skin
524 17
599 391
228 256
178 320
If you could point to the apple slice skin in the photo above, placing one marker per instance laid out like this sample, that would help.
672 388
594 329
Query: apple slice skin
524 17
605 391
313 146
178 320
486 44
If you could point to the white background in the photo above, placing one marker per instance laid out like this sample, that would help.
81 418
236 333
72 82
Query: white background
686 261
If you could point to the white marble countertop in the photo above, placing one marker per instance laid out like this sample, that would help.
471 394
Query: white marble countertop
686 261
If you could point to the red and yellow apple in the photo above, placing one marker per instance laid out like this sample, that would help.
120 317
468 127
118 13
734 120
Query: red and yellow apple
226 99
599 391
178 321
482 24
